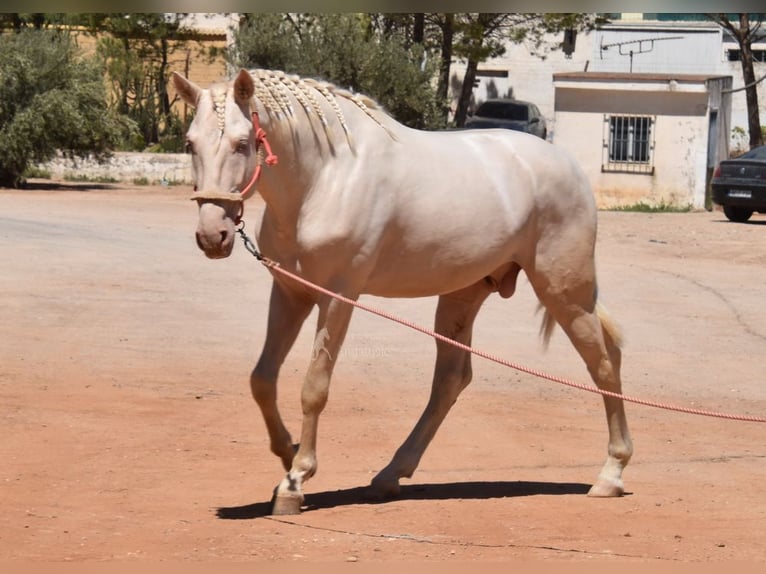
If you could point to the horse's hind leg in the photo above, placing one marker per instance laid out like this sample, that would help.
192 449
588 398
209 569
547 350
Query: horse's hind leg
455 315
570 298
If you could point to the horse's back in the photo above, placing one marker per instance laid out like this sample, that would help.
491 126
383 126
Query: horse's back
496 177
467 203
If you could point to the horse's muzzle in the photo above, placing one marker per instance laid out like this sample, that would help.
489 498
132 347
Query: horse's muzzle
217 249
216 231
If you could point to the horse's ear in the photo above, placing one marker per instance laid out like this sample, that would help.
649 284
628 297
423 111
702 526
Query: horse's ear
189 91
243 87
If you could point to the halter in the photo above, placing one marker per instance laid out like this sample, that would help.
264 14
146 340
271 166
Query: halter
261 145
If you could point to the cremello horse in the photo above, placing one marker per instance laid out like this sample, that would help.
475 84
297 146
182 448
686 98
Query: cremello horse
358 203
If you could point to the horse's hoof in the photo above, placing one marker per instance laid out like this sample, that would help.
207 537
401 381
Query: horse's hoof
381 489
286 505
607 488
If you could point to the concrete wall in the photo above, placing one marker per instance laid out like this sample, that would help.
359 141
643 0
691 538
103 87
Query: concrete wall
125 167
680 109
679 161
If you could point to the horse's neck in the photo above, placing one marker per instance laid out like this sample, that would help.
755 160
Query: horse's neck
309 151
283 186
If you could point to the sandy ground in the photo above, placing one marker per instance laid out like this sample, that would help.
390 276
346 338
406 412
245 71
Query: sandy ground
129 434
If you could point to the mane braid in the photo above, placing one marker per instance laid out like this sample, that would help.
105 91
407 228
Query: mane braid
280 92
325 90
365 104
273 89
264 93
306 98
218 95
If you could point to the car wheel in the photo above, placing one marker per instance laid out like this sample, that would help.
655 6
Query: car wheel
738 214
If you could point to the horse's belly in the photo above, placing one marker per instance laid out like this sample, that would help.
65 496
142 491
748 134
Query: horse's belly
404 277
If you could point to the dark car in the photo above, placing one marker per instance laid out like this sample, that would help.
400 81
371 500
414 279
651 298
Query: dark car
739 185
509 114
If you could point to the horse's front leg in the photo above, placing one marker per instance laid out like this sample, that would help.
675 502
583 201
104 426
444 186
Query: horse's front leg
332 325
287 313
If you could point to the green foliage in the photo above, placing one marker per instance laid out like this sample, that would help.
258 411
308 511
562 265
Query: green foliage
35 20
136 49
661 207
89 179
37 172
51 100
345 49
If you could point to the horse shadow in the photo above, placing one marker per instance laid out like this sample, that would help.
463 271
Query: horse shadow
444 491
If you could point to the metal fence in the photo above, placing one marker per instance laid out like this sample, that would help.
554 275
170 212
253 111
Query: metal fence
628 143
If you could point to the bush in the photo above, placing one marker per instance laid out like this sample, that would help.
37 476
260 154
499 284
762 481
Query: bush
341 49
51 100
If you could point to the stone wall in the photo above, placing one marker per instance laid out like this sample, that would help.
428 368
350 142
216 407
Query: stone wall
127 167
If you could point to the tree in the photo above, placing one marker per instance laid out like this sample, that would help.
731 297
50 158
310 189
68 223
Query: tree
481 36
51 99
136 48
446 25
31 20
746 31
363 52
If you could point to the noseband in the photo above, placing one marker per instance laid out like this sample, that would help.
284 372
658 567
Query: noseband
263 154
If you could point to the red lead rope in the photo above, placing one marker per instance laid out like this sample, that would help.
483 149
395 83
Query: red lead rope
270 159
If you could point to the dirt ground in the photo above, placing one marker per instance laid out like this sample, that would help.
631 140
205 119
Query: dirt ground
129 433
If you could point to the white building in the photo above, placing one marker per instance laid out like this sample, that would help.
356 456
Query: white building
651 138
695 121
658 44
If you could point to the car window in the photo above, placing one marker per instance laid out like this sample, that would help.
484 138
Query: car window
503 111
755 153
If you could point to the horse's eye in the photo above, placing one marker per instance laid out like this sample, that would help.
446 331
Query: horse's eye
241 146
188 147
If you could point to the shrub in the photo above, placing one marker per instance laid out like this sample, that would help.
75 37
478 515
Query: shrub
51 100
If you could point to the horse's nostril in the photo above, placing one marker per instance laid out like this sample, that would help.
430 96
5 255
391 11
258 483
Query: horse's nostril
224 235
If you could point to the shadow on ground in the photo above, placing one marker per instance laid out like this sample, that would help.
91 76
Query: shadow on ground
447 491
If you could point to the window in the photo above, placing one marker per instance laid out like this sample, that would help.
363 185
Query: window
735 55
628 144
503 110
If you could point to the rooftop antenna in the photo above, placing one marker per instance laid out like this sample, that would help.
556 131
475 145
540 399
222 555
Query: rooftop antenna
644 46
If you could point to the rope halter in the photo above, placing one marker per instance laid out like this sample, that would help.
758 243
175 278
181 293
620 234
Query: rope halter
263 154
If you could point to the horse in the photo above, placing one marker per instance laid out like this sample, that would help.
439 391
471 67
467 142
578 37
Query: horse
358 203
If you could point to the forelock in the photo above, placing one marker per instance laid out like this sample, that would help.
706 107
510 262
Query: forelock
218 94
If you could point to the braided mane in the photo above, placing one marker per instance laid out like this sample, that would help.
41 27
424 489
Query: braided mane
218 95
273 89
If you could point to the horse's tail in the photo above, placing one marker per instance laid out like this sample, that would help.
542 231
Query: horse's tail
610 328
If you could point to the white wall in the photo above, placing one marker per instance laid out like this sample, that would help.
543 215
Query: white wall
701 51
680 134
127 167
678 178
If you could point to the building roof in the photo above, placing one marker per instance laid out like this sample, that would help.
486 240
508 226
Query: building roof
635 77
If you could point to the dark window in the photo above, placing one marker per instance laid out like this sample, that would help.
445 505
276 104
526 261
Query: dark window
628 143
755 153
503 111
735 55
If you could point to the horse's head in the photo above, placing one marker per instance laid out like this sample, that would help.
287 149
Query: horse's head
222 142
